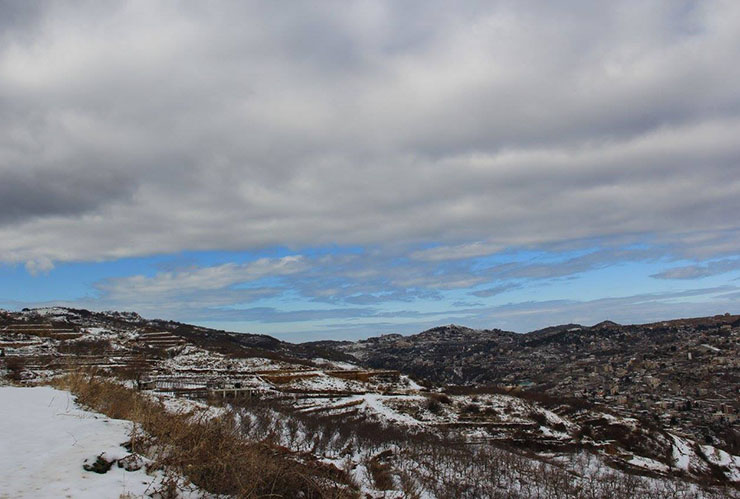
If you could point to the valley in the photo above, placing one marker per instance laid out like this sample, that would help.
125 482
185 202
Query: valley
568 410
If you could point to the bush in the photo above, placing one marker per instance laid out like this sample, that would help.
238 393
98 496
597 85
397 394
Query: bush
435 400
538 418
211 453
85 347
381 474
15 367
433 406
471 409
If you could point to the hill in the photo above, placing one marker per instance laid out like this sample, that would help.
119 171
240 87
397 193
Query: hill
448 410
682 373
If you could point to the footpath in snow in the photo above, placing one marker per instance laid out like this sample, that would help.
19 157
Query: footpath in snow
45 439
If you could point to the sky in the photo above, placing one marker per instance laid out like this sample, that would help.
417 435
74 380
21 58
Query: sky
343 169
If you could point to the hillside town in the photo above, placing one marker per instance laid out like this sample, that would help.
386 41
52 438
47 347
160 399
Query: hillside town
684 374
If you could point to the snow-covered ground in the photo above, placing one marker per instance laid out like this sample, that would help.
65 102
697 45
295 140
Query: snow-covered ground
45 439
722 458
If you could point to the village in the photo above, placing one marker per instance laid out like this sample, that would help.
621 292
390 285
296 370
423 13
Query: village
683 374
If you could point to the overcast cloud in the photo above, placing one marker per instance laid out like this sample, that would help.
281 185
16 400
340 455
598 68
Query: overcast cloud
434 132
141 127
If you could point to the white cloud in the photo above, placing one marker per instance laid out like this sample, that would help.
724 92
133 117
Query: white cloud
701 270
164 285
42 265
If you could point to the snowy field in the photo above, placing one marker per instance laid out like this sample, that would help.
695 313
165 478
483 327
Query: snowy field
44 442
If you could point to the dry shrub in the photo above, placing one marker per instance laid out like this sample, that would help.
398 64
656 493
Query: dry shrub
471 409
85 347
442 398
435 400
135 369
433 406
211 453
409 486
15 367
476 390
381 472
538 418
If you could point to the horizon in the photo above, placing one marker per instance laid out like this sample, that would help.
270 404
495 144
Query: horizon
340 171
378 335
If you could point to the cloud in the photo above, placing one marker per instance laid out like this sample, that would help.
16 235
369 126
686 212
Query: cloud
703 244
638 308
371 280
407 154
528 316
267 315
457 252
25 196
42 265
698 271
495 290
199 279
141 128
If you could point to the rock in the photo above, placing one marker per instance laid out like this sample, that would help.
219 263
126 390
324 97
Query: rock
100 465
132 462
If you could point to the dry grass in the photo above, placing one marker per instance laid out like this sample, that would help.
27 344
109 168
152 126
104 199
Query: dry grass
222 457
381 471
211 453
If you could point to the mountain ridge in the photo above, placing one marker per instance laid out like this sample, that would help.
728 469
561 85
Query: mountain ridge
641 397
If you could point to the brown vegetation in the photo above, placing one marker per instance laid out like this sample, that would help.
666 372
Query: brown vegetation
15 367
85 347
211 453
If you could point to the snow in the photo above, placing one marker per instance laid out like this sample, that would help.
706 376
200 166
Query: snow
96 331
335 364
647 463
681 453
631 422
549 432
50 311
51 459
412 385
191 358
44 442
375 403
198 410
724 459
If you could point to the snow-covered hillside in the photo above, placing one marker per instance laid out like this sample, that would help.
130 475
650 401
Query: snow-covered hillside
355 418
